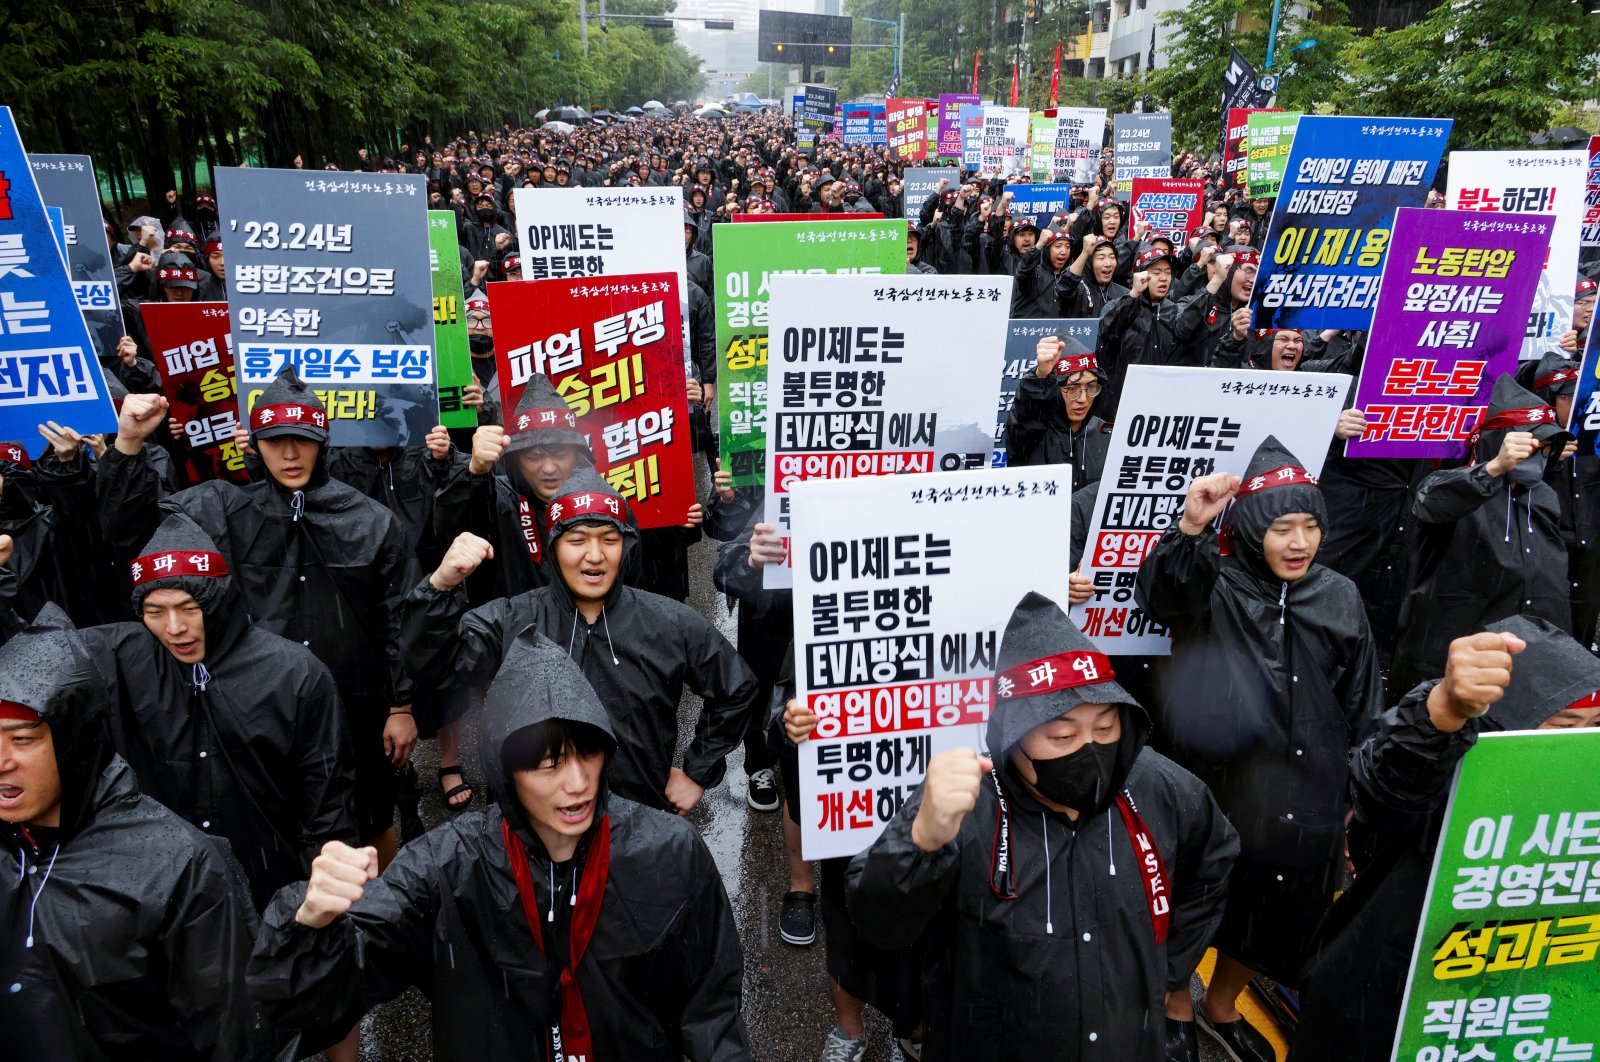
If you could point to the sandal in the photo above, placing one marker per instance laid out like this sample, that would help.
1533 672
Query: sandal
455 791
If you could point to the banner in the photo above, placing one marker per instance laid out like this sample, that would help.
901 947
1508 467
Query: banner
908 130
1040 202
950 104
1456 287
1055 78
48 368
1080 134
865 125
1591 196
919 185
1022 336
1041 146
193 347
613 348
453 354
1330 226
971 136
818 109
1504 963
1005 142
329 273
899 608
745 259
1531 182
1172 206
68 182
1175 425
873 376
1267 138
1142 145
1240 88
1236 145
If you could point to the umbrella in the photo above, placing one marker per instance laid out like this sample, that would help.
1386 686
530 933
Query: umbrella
539 116
711 112
1565 136
654 105
557 127
569 114
634 110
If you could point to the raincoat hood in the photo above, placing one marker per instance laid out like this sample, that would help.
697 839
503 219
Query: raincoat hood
587 498
542 418
47 668
1274 485
1551 674
1258 345
195 566
1513 407
304 416
1554 376
19 486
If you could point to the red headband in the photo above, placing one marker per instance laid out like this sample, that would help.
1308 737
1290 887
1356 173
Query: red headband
212 246
287 413
153 566
534 419
1559 376
1245 257
1061 671
1076 363
1262 333
14 453
1512 418
175 273
1282 476
13 710
1586 287
589 503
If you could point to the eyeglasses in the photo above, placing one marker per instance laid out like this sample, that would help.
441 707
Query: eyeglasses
1088 390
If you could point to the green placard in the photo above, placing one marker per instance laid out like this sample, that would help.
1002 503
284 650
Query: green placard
449 322
746 256
1041 146
1271 133
1506 955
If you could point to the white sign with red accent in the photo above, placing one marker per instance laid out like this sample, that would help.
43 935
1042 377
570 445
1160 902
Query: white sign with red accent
899 609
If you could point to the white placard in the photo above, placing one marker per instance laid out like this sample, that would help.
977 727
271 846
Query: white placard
1005 142
1176 424
902 593
1080 134
1531 182
877 375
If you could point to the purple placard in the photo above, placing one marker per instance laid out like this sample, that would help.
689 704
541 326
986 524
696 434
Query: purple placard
950 104
1452 308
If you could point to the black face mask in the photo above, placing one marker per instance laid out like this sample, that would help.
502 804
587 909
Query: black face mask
1078 780
485 215
480 344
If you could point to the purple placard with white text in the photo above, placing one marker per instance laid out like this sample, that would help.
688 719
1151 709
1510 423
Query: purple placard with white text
1457 287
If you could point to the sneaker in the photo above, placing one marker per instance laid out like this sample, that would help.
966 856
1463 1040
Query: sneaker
1238 1039
1183 1041
764 790
797 921
839 1047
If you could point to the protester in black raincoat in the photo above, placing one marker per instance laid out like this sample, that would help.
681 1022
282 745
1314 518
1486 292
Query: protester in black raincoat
317 562
1224 305
637 649
1576 481
1274 678
45 514
1145 326
1055 933
1094 267
235 729
1400 779
123 930
562 921
1489 536
1044 277
1050 422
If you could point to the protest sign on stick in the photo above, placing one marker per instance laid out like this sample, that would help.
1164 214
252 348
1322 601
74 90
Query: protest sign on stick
68 182
193 350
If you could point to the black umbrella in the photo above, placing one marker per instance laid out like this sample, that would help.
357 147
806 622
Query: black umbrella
634 110
568 114
1562 136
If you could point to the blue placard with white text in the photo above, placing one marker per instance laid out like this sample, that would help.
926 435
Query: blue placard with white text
1040 202
48 369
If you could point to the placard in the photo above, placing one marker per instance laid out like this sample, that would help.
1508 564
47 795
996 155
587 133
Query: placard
1268 137
865 125
1005 142
918 186
1591 196
971 137
1142 147
949 121
1080 134
1040 203
1022 336
193 348
1236 143
452 351
1172 206
68 182
907 122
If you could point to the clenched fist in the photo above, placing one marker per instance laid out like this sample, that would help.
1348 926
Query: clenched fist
1476 675
1208 496
463 557
488 443
949 793
141 415
1047 353
338 878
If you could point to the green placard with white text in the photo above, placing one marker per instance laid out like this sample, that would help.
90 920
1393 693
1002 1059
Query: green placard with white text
1267 144
746 257
1505 963
449 322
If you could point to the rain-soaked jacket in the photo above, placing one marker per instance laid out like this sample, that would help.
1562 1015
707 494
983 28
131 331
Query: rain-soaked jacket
1271 684
249 745
660 978
47 510
1069 968
638 657
140 926
1038 432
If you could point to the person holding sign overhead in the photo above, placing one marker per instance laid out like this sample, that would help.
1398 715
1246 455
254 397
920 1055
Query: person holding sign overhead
1076 874
1050 422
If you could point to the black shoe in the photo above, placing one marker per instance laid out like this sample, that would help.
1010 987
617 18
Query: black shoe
1183 1041
764 791
797 922
1238 1039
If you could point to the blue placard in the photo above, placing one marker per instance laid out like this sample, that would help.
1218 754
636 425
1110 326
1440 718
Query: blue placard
1023 334
971 135
865 124
1040 202
1323 256
48 370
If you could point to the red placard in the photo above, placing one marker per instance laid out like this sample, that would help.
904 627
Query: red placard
613 348
908 129
1172 206
846 216
193 348
1236 145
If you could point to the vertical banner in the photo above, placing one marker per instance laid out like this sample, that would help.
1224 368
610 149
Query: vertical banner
1005 142
918 187
1330 226
872 376
898 612
1240 88
1175 425
193 347
48 368
950 104
745 259
972 136
908 129
1022 336
68 182
1236 145
1449 322
613 348
1080 134
1531 182
1268 137
1142 146
451 351
1172 206
1504 963
1591 196
864 125
329 273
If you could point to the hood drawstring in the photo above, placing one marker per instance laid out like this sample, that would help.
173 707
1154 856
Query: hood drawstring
551 917
609 644
573 637
1283 602
1111 849
38 892
573 901
199 677
1045 821
297 502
